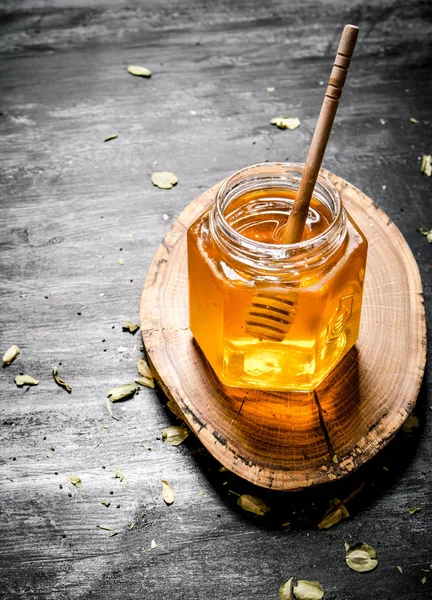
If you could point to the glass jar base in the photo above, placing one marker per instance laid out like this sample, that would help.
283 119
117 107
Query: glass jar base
278 367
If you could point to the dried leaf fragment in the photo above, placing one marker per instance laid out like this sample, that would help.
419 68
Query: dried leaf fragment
61 382
105 503
399 568
413 510
153 545
426 232
113 136
21 380
335 516
122 392
426 165
285 590
109 409
173 406
131 327
75 480
132 525
253 504
361 558
121 261
423 580
144 371
145 382
174 435
286 122
164 179
308 590
118 474
10 355
139 71
168 493
270 89
415 121
104 528
411 423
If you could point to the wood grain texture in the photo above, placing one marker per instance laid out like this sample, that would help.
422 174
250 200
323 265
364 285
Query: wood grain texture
68 199
287 441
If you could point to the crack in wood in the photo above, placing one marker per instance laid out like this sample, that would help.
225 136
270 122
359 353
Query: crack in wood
323 425
240 409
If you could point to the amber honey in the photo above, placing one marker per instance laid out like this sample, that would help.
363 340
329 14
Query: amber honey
268 315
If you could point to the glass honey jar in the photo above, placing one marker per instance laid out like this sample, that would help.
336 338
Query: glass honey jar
268 315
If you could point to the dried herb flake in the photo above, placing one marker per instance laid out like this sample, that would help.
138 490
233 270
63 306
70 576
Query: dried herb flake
426 165
145 382
426 232
253 504
285 590
411 423
308 590
106 503
334 516
164 179
423 580
10 355
415 121
131 327
118 474
413 510
132 525
21 380
61 382
153 545
111 137
109 409
173 406
104 528
144 371
361 558
75 480
174 435
399 568
286 122
139 71
122 392
168 493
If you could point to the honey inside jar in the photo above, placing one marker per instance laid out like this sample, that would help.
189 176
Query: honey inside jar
266 315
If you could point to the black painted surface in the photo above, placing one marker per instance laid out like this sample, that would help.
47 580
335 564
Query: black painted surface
73 205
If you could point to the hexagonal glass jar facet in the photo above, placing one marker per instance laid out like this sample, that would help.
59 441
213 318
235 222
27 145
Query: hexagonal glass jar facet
268 315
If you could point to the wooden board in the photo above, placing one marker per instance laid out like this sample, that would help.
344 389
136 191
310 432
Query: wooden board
288 441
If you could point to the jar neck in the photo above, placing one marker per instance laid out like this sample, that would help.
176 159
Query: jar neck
274 260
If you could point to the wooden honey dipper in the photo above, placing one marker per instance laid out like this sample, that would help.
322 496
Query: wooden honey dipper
271 316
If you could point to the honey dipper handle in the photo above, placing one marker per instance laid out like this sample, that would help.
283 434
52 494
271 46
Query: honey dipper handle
293 230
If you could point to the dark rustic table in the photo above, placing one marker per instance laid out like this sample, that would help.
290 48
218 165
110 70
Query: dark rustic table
73 205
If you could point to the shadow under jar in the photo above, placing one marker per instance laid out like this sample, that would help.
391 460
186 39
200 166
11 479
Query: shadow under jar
268 315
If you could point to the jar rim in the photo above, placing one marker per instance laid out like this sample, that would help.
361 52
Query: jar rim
297 246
